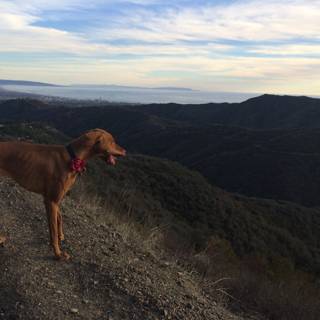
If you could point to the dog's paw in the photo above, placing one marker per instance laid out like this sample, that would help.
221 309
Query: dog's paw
63 256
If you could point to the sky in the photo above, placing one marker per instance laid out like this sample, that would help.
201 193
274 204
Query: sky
217 45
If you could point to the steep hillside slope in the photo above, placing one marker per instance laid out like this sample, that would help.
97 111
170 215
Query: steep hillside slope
278 164
113 274
193 210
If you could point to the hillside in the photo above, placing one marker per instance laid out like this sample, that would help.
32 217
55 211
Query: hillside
24 83
272 163
193 211
174 222
279 164
114 274
161 192
262 112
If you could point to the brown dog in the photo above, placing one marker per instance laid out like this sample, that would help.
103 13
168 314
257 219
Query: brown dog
51 170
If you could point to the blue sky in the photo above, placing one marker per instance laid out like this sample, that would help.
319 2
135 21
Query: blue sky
223 45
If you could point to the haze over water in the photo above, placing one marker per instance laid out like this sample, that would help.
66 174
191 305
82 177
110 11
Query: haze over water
134 95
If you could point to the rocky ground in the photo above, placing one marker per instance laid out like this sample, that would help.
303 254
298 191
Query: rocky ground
114 273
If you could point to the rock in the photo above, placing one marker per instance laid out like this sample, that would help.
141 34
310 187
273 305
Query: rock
179 283
189 306
74 310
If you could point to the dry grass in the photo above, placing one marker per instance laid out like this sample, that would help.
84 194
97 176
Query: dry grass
107 211
285 295
252 284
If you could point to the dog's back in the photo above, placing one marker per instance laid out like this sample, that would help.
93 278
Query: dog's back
33 166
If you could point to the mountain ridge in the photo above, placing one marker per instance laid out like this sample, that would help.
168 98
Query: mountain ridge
277 162
26 83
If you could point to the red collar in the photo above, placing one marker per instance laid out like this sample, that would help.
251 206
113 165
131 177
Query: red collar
76 164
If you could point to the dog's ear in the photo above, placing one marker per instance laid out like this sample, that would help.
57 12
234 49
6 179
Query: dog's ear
97 145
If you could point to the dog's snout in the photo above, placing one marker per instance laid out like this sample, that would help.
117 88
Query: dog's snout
121 151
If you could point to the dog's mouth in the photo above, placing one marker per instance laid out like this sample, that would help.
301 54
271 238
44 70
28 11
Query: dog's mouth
111 159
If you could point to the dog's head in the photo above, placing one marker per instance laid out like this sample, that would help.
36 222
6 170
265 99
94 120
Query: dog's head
103 145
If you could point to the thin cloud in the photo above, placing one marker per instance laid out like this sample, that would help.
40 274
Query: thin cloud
235 44
288 49
254 20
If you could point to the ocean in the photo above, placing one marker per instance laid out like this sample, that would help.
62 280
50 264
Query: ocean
132 95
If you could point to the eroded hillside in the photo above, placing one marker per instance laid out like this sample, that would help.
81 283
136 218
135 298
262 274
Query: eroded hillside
114 273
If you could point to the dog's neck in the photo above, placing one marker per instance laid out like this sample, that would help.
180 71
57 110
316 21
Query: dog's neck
79 152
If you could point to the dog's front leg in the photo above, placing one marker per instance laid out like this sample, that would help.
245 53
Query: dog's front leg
60 228
52 213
